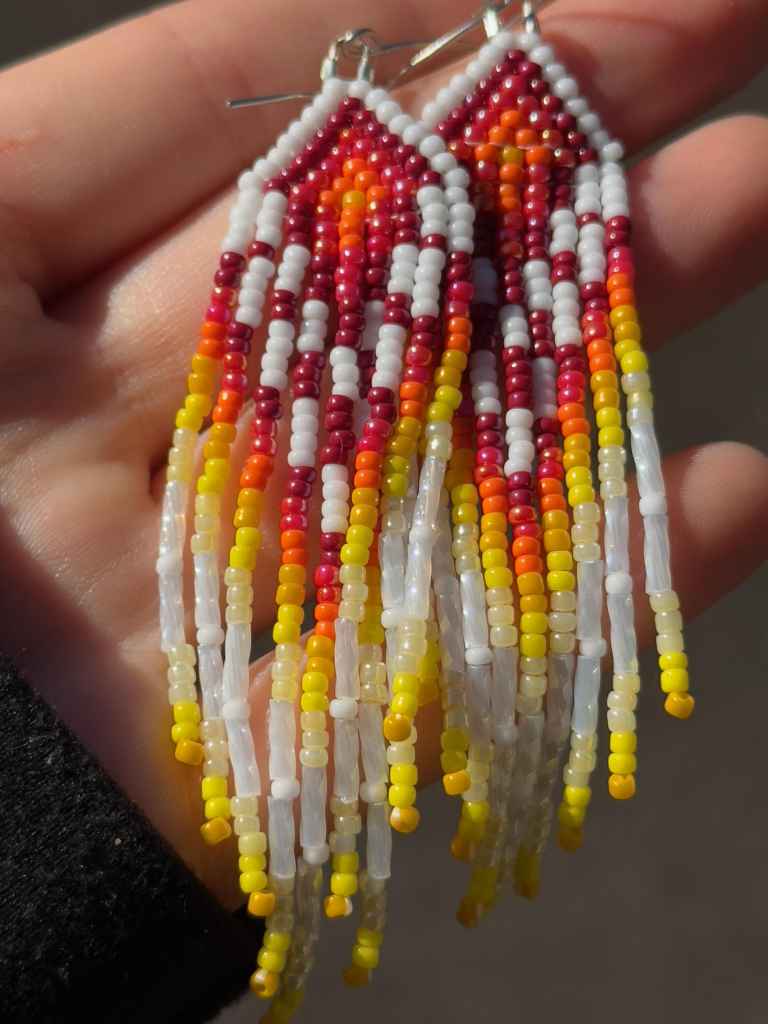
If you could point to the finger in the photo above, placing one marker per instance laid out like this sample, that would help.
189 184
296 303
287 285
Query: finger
699 221
142 136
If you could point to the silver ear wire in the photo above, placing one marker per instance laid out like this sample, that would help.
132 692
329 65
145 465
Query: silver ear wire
489 16
362 43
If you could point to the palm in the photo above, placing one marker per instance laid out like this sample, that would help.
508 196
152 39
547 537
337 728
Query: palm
104 275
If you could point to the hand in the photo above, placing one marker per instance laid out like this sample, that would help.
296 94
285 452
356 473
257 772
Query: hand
113 158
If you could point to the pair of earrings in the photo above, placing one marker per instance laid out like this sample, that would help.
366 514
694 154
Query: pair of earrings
477 265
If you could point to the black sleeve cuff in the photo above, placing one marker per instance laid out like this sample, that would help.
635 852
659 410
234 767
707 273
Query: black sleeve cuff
99 919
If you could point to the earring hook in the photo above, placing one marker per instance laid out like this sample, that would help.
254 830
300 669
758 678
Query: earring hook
489 17
362 43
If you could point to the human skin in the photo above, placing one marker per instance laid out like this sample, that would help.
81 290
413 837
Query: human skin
117 159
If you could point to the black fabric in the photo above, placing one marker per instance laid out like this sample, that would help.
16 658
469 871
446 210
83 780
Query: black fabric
92 929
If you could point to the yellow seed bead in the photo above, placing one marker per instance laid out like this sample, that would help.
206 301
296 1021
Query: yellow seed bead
577 442
242 558
621 314
289 593
264 983
217 469
203 364
404 774
290 613
201 404
354 554
621 348
409 426
216 450
322 665
401 796
261 904
605 398
439 412
676 659
533 603
466 512
463 494
634 362
343 883
512 155
248 537
575 458
280 942
271 960
603 379
447 376
362 535
500 576
494 558
577 796
674 680
446 394
353 198
214 831
286 633
405 704
396 485
365 496
577 476
185 731
251 862
622 764
533 645
253 881
623 742
369 937
189 752
608 418
557 560
186 711
246 517
570 817
217 807
679 705
213 786
346 863
314 682
210 485
556 540
493 522
559 579
366 957
454 739
406 682
363 515
186 420
493 540
530 583
314 702
533 622
395 464
453 357
457 782
402 445
320 647
628 330
610 436
580 494
475 810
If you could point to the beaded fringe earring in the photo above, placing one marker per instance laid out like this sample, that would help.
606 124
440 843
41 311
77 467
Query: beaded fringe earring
493 233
